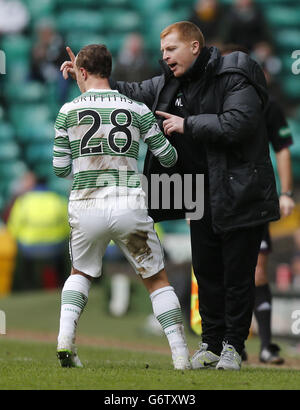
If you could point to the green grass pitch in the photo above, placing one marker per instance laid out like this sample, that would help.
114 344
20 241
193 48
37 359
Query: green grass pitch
117 353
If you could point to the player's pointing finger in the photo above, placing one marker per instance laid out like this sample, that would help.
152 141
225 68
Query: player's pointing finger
71 54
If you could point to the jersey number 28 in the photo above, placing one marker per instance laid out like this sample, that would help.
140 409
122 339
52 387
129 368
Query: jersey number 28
123 128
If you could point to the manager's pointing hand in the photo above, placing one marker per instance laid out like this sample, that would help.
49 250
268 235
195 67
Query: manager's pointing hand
172 123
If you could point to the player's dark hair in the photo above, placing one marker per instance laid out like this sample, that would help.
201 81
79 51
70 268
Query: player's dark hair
96 59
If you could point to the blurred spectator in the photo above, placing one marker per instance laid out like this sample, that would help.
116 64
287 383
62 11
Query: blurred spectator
263 53
22 185
39 223
208 16
295 263
8 250
271 65
245 25
132 63
47 55
283 277
14 17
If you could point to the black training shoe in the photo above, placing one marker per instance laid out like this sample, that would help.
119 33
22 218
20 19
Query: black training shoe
270 355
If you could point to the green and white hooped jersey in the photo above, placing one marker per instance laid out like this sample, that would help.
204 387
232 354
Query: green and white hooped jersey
97 140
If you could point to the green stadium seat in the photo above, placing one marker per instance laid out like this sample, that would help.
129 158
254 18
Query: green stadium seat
287 39
6 190
21 115
43 169
7 132
279 16
62 186
152 38
115 42
16 47
228 2
17 72
83 20
73 4
11 170
9 150
36 133
17 53
291 86
265 3
41 153
153 7
297 114
117 3
121 21
277 2
29 92
2 202
1 113
294 124
77 40
40 9
187 4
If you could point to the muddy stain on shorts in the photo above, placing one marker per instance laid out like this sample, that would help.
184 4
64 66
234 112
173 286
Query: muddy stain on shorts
137 246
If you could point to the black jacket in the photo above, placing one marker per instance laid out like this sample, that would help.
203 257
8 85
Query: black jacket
227 119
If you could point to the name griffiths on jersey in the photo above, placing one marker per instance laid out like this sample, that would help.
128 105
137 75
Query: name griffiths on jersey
92 97
115 400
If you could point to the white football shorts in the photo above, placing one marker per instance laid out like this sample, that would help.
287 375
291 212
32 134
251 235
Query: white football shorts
95 222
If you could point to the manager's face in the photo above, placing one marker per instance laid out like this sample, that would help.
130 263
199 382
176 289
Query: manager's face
177 53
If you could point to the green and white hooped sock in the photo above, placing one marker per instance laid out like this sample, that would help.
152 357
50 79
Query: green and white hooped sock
167 310
74 297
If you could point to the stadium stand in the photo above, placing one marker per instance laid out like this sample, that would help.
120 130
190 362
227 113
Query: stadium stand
28 108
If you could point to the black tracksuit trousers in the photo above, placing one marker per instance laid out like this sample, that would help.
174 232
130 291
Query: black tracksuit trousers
224 265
